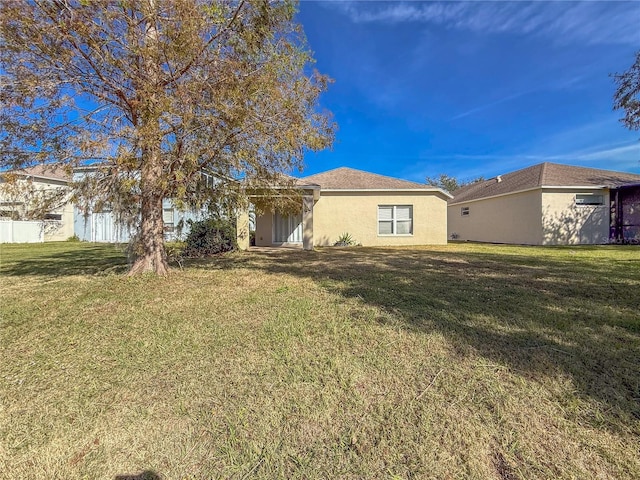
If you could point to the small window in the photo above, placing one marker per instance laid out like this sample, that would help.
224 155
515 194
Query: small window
53 216
464 211
587 199
395 219
167 216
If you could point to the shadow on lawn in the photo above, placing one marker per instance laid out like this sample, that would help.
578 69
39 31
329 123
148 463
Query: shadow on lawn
146 475
65 259
547 316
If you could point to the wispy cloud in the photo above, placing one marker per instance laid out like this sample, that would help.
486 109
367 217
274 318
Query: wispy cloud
617 152
604 22
490 105
558 85
623 156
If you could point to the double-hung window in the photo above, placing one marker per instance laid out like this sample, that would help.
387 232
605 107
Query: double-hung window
395 219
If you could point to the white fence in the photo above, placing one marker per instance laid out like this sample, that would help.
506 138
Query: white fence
21 231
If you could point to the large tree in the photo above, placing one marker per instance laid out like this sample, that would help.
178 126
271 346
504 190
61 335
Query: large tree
158 92
627 95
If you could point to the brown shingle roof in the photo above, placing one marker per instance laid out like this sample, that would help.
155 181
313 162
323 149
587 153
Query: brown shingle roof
543 175
350 179
56 172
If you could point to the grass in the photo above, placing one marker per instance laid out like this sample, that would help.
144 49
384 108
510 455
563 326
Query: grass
461 361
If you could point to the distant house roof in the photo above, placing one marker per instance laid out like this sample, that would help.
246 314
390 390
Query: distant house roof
351 179
543 175
54 172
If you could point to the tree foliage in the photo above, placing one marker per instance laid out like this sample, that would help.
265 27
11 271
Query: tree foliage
160 91
210 237
627 95
449 183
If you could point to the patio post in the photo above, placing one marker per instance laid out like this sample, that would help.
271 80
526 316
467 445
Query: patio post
307 222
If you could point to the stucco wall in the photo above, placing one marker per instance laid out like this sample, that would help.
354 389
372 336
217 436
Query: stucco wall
356 213
264 224
24 194
565 223
512 218
58 231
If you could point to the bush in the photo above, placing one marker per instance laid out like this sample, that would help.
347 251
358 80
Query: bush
174 249
345 240
210 237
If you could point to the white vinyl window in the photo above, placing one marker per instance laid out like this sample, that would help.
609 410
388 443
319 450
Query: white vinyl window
167 219
395 219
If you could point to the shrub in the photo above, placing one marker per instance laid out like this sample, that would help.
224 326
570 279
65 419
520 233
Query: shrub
210 237
174 249
345 240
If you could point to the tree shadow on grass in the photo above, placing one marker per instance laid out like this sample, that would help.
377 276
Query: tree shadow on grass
64 260
540 316
146 475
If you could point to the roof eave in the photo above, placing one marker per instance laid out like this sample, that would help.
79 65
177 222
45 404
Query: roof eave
525 190
403 190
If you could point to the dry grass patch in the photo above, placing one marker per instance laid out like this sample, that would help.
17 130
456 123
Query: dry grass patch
464 361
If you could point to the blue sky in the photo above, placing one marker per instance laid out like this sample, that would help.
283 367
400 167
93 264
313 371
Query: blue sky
473 88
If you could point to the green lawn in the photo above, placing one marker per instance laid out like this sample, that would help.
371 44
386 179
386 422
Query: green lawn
461 361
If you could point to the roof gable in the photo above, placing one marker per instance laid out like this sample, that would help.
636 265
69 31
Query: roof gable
542 175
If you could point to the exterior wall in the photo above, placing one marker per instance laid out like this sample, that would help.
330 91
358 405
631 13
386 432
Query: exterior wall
512 218
102 227
56 231
264 226
565 223
356 213
53 230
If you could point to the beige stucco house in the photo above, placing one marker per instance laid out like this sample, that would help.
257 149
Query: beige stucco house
374 209
548 204
39 193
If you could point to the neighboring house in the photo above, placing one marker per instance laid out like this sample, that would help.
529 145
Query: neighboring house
548 204
102 225
373 209
39 193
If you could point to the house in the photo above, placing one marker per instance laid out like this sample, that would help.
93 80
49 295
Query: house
548 204
102 226
40 193
374 209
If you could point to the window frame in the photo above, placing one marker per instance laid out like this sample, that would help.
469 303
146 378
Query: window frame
465 211
394 220
586 196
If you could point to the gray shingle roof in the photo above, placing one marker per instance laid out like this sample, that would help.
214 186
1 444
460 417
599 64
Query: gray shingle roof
543 175
350 179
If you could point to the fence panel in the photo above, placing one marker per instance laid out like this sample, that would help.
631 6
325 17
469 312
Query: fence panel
21 231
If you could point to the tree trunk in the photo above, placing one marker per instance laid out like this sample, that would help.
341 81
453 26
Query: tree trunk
153 257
